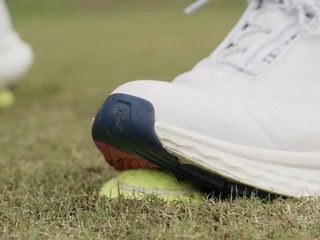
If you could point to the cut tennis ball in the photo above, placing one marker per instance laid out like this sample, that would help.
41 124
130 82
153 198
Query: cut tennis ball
135 184
7 98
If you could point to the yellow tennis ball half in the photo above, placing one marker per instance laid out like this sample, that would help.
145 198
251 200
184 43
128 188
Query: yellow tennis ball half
6 98
134 184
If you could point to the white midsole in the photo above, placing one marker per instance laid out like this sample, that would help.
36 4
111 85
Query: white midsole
16 58
283 172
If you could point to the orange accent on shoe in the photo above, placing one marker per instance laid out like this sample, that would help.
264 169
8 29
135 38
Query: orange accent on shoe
121 160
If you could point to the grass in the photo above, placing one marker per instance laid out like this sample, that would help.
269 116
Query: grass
50 171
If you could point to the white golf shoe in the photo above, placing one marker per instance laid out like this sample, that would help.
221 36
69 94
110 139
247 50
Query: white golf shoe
246 116
16 56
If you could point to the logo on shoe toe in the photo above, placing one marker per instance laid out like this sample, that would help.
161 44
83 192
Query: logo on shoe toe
119 114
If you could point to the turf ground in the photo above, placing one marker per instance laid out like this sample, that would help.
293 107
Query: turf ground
50 172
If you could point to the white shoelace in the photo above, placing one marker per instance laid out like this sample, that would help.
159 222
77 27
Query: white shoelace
194 6
304 8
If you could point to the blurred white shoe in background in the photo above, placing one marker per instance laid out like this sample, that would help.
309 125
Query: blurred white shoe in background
16 56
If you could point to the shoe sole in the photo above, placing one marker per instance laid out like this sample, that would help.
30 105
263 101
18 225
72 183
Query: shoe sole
128 124
120 160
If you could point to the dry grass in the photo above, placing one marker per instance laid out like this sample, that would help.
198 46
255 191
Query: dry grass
50 172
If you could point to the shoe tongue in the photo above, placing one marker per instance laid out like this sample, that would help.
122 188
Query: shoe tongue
272 16
267 19
253 40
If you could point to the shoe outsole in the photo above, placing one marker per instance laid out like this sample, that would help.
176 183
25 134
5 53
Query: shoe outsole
126 123
120 160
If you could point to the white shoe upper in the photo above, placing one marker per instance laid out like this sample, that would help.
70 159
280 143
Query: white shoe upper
271 62
259 88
